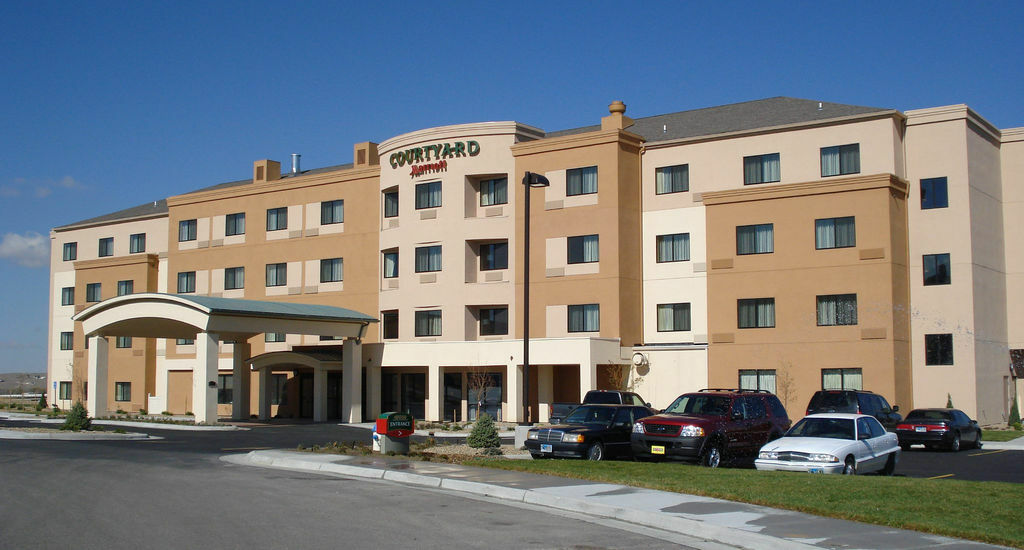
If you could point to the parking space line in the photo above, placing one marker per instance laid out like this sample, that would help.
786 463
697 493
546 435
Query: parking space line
940 477
988 453
246 448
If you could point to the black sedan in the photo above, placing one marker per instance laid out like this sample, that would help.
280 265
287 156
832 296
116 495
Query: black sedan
948 428
594 432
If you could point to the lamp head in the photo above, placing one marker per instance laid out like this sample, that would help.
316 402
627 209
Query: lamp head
535 180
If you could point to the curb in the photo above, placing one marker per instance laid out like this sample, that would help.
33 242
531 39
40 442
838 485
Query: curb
73 436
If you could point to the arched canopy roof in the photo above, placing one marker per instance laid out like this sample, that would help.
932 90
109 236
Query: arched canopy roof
155 315
312 359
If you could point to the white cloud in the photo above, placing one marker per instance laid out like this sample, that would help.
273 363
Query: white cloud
39 189
29 250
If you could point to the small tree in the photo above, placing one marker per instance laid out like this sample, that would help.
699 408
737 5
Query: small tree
480 383
77 419
484 434
623 377
1014 419
949 401
42 402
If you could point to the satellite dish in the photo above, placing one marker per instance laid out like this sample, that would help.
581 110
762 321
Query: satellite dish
639 359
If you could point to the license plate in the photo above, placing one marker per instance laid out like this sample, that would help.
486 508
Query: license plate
920 428
545 448
816 470
657 449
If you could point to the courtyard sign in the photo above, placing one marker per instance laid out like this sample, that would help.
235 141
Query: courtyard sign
438 153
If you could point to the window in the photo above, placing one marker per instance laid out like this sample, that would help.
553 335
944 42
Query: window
274 337
186 230
331 270
672 179
756 313
936 269
755 239
106 247
93 292
428 323
184 341
225 389
390 323
842 379
934 193
122 391
391 204
428 195
186 282
123 342
277 274
278 395
125 287
234 278
137 243
837 309
757 379
70 251
585 318
583 249
761 169
332 212
581 181
390 265
840 160
493 256
428 258
673 317
835 233
65 391
673 248
67 296
277 219
67 340
493 321
938 349
494 192
234 224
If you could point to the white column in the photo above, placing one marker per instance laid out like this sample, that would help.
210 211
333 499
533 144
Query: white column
96 402
588 375
264 392
545 391
241 379
204 379
435 393
352 381
514 391
319 394
372 391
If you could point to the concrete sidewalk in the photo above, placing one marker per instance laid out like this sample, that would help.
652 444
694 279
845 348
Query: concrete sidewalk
706 519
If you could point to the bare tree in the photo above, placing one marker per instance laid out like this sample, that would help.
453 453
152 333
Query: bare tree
623 377
785 383
480 382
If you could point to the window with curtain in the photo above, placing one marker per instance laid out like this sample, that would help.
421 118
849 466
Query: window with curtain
123 342
234 224
122 391
277 218
184 341
274 337
581 181
673 248
842 379
234 278
390 265
761 169
277 274
837 309
494 191
70 252
186 282
493 256
934 193
93 292
428 195
835 233
757 379
332 270
840 160
428 323
106 247
493 321
389 324
428 258
391 204
67 296
673 317
225 387
332 212
672 179
938 349
65 391
583 249
137 243
125 287
187 230
937 269
756 313
67 340
585 318
755 239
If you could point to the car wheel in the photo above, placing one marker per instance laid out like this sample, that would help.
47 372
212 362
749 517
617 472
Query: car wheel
890 465
595 452
850 469
536 456
712 457
954 445
905 447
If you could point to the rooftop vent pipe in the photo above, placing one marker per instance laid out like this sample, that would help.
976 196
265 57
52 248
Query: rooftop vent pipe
295 164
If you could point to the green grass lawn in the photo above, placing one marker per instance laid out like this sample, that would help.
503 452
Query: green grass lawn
1000 435
984 511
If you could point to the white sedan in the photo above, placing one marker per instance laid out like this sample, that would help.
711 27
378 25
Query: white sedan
833 443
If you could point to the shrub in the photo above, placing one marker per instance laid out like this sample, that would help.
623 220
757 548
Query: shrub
949 401
1014 413
492 451
78 418
120 431
121 411
189 413
167 413
143 411
484 433
42 402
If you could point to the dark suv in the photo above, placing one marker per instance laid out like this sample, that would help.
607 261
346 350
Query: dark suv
710 424
614 397
855 401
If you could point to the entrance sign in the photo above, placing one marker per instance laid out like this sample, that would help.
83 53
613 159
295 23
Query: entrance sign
395 424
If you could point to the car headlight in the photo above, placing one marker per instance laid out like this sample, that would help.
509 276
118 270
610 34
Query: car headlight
822 457
768 455
532 434
572 438
638 428
692 431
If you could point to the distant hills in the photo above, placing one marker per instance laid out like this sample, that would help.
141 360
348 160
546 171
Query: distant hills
22 382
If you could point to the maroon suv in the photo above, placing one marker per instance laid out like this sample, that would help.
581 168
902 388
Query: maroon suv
710 424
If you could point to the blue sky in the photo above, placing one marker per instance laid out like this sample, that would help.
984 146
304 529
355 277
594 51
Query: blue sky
106 105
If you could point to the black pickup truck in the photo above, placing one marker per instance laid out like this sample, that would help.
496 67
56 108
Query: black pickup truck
596 397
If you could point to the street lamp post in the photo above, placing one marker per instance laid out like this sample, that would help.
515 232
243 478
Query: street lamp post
530 180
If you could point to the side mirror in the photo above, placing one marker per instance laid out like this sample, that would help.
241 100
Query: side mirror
648 405
895 408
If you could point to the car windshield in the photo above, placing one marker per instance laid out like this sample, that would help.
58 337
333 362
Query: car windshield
711 405
928 415
590 415
833 401
835 428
